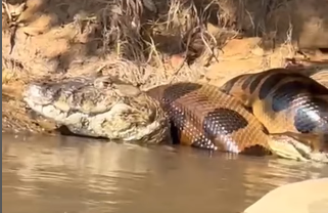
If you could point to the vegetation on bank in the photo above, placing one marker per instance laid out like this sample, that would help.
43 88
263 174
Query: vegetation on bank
153 32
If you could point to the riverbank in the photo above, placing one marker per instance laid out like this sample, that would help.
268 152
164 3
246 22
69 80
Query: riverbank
153 43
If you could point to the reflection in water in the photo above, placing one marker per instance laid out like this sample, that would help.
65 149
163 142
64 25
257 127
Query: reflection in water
73 175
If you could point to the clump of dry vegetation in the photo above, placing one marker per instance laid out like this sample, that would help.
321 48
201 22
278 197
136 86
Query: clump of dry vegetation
165 37
163 34
146 32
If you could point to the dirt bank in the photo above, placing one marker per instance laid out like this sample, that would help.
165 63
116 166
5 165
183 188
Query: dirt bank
155 41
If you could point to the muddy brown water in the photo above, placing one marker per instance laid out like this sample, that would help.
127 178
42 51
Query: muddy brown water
76 175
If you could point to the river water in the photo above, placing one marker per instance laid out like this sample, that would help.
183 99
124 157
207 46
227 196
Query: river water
58 174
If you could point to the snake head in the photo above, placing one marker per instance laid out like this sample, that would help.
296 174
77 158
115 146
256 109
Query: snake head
287 146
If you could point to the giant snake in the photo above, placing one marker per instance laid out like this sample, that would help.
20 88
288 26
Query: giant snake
274 111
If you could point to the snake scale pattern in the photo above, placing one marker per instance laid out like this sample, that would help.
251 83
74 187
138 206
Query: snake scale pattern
274 111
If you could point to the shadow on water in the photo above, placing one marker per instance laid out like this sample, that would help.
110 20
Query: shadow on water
74 175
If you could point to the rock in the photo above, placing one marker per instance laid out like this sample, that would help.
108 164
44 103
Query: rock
310 196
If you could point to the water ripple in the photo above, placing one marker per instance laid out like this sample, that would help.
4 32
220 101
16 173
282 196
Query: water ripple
74 175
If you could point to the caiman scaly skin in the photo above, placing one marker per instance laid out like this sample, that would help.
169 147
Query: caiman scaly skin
17 118
100 107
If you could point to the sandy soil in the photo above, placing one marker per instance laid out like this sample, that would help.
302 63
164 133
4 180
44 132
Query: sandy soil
55 38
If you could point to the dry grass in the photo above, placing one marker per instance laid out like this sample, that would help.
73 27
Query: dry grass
146 76
145 36
149 36
144 31
161 40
